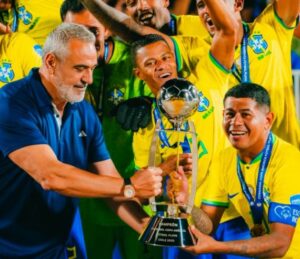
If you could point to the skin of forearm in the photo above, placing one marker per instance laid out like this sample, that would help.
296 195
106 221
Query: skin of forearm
267 246
114 20
80 183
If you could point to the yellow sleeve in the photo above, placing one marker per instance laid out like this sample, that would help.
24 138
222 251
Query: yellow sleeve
215 193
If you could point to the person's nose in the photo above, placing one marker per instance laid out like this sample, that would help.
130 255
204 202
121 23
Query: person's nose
142 5
88 76
160 65
237 120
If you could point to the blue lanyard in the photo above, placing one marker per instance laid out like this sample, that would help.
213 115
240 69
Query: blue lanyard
244 77
256 205
163 136
106 50
172 26
14 25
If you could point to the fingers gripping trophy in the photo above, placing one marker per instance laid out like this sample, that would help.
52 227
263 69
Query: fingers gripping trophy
177 100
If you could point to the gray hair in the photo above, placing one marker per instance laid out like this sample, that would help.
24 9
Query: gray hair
57 41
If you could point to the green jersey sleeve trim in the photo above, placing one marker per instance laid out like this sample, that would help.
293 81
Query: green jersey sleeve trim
218 65
177 54
278 19
215 203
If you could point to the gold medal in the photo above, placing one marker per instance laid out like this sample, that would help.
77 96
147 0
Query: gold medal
257 230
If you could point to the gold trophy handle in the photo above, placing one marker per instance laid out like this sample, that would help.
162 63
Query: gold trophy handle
151 159
192 195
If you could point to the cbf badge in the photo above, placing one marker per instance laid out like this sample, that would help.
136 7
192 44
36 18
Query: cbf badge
6 72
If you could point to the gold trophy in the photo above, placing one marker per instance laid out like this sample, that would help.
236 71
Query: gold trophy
177 99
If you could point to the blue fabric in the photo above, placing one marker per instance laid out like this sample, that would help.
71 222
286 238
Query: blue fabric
75 245
35 222
295 60
284 213
235 229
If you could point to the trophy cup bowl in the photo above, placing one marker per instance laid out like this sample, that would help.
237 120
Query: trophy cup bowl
177 99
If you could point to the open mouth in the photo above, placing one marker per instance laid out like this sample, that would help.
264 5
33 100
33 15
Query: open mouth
237 133
209 22
165 75
145 18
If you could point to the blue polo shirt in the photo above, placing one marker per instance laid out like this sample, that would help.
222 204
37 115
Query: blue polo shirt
35 223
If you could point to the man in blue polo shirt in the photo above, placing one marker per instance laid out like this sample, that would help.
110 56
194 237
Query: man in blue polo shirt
49 138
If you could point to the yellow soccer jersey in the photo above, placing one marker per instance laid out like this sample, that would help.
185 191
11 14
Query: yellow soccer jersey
37 18
202 69
207 119
281 191
190 25
269 51
18 55
216 80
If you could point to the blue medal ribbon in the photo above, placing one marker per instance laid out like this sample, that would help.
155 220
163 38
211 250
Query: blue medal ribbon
172 26
14 25
163 136
106 50
256 205
244 75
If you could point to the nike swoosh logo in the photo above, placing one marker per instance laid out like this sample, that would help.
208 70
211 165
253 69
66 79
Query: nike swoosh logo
231 196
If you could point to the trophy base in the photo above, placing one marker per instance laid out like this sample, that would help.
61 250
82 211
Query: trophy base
166 231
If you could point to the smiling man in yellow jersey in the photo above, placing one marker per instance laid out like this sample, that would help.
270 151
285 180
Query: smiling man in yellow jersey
201 66
18 55
258 175
263 56
198 56
37 18
206 68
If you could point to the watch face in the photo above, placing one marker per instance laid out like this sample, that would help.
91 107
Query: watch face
129 191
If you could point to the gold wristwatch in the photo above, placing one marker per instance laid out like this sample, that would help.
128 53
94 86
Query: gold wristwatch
129 191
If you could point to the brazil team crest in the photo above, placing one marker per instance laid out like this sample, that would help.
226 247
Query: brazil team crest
258 44
6 72
115 96
203 103
24 15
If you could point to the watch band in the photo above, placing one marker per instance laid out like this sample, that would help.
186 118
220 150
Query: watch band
127 181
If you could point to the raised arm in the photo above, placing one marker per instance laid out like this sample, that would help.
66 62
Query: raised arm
287 10
116 21
226 29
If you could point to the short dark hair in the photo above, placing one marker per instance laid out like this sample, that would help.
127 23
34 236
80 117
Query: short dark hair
144 41
74 6
250 90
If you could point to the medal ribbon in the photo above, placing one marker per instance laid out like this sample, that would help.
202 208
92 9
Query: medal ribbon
244 75
14 25
172 26
256 205
163 136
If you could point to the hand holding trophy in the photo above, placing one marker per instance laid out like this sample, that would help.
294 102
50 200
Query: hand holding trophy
177 100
